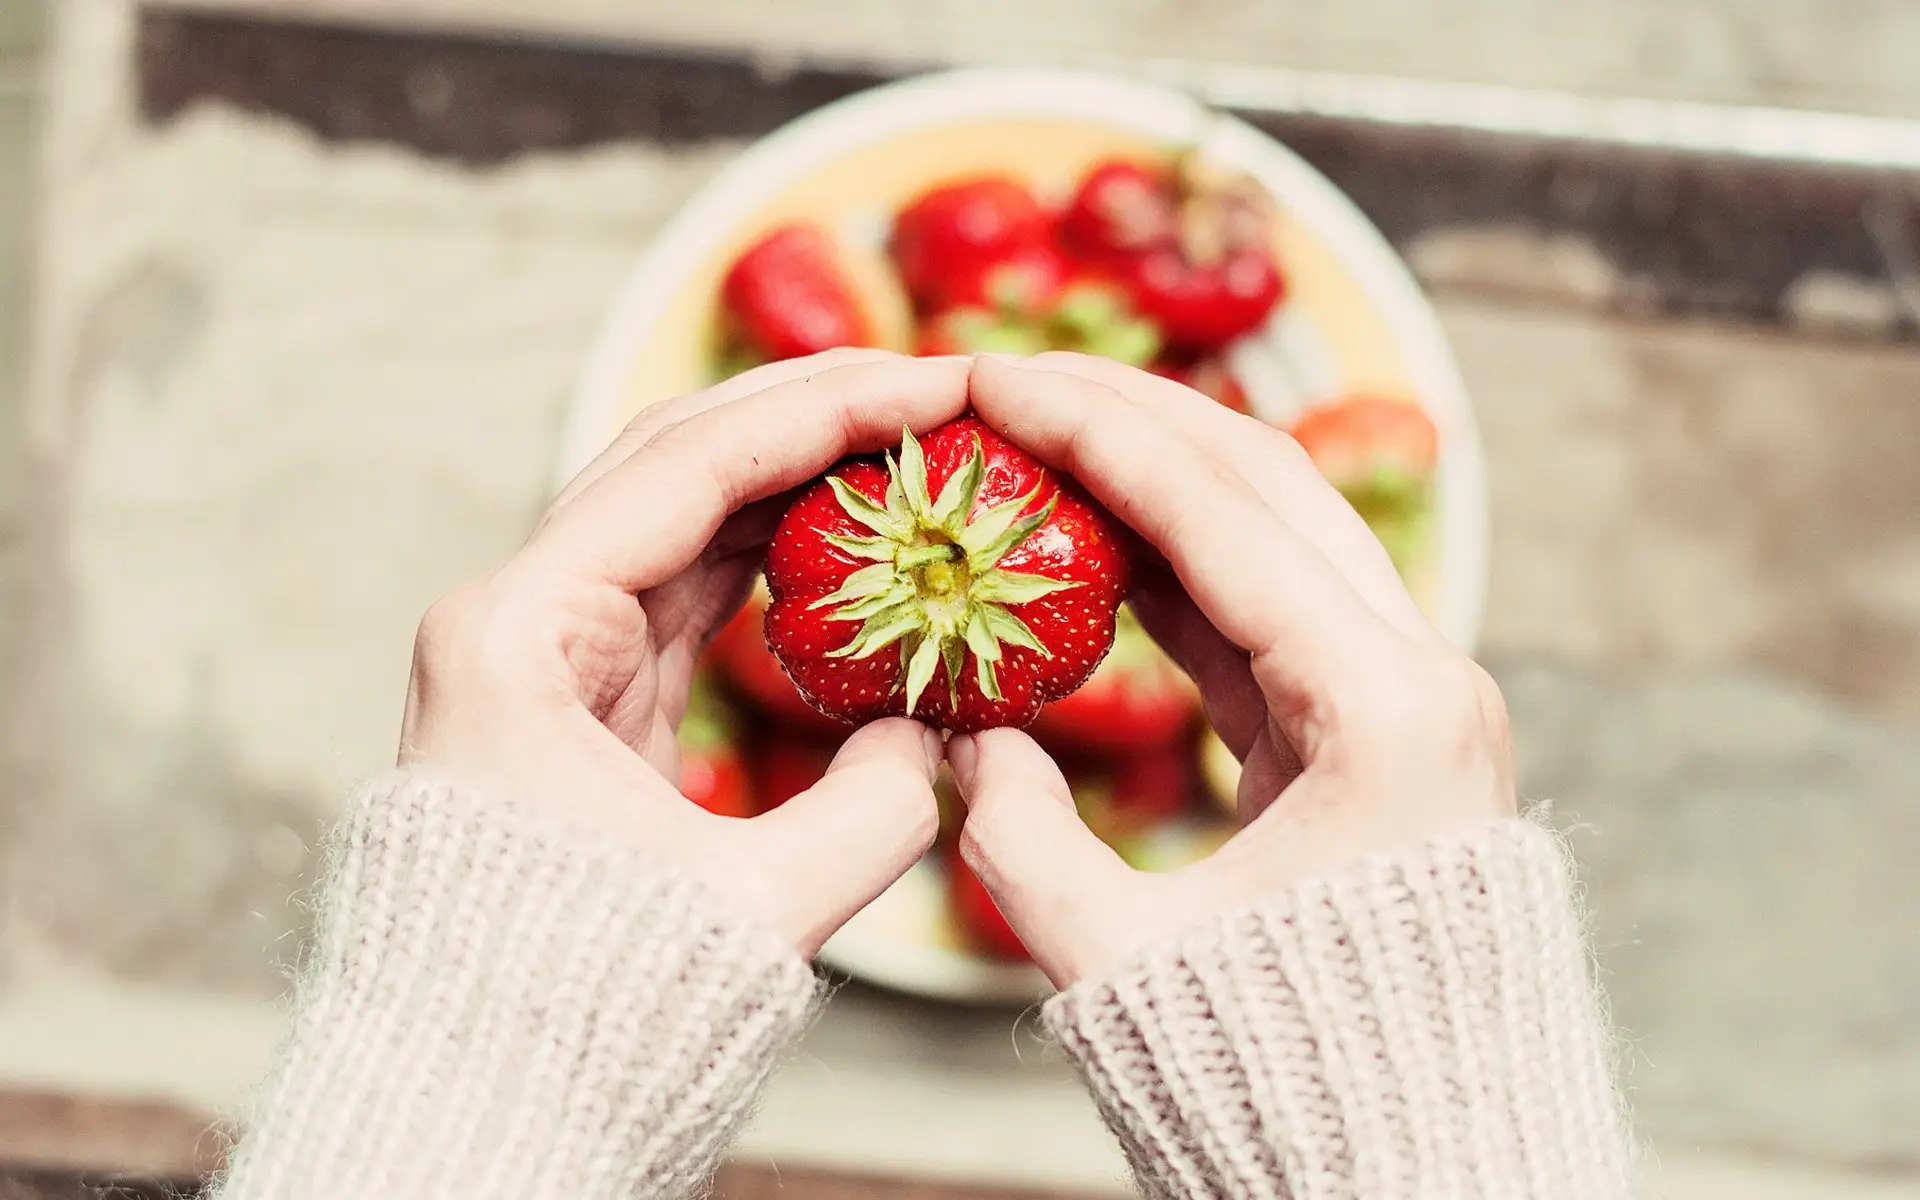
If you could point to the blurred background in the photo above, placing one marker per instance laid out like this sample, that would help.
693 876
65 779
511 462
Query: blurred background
293 294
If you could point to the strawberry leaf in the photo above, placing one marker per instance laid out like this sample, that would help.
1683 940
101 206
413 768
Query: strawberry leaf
982 554
956 498
988 678
897 505
865 511
986 652
1017 587
920 668
1011 630
860 610
956 656
880 631
980 637
879 549
912 474
866 582
986 537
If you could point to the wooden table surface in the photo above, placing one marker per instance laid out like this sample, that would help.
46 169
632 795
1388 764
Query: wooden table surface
55 1146
735 1183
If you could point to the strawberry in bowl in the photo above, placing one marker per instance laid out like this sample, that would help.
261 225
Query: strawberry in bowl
1382 455
750 671
961 582
784 764
788 296
712 772
1192 245
949 242
1118 796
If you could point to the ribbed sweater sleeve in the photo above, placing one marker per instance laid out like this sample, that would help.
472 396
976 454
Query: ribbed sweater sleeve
498 1006
1419 1024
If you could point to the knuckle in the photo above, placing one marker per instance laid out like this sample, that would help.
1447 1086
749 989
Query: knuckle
476 626
449 621
847 356
979 840
646 423
1422 692
1281 444
1078 363
1458 704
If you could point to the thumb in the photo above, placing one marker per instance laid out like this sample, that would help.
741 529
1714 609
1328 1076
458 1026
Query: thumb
1062 889
846 839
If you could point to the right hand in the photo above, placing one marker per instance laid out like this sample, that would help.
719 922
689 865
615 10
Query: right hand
1358 726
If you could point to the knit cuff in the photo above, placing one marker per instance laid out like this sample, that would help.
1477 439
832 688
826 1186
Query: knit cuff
1421 1023
500 1006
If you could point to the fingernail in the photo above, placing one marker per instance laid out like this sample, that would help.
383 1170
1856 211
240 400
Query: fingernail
931 744
963 756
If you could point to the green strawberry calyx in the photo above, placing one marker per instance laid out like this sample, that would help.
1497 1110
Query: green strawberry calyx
1090 318
934 587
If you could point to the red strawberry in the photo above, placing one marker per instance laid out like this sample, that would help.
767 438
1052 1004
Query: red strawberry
979 918
785 765
750 669
1121 797
711 772
1206 298
946 241
1136 700
1154 786
789 296
963 583
1194 248
1121 209
1381 455
1359 439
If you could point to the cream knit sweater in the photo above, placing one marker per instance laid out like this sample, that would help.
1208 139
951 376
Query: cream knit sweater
497 1008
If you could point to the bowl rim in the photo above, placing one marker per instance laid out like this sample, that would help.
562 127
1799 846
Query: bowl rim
733 195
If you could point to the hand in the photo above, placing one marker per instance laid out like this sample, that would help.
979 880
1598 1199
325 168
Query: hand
558 681
1358 726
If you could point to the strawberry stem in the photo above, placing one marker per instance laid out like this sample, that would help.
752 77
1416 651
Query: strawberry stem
921 556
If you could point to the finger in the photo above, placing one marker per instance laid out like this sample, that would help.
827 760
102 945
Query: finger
692 605
846 839
652 514
1061 889
1259 583
1222 671
1275 466
1269 768
648 423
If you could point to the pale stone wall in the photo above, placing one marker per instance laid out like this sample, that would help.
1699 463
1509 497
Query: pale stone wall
1855 56
20 32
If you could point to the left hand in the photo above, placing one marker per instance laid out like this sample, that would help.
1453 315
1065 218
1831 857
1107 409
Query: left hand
558 681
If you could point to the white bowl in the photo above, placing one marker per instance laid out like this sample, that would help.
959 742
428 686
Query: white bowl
1355 320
